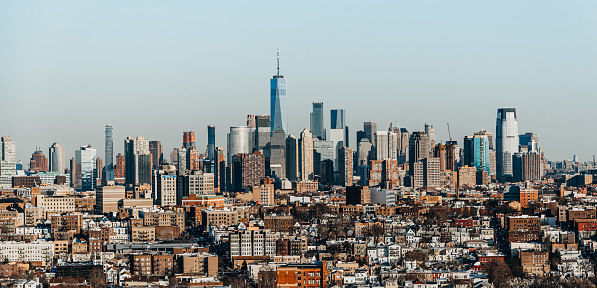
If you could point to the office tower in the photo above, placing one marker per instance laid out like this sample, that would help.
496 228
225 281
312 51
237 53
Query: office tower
182 159
99 166
337 129
363 151
73 173
8 161
476 152
306 155
361 135
137 162
337 119
38 162
322 150
251 121
381 150
220 169
346 136
529 142
489 137
439 151
292 158
192 158
370 129
107 198
278 101
188 139
174 157
277 154
452 155
109 153
384 173
86 169
156 149
403 145
211 142
467 177
337 137
418 148
194 183
426 173
393 139
526 167
238 141
165 188
263 131
317 124
56 158
430 132
506 142
119 167
345 165
247 170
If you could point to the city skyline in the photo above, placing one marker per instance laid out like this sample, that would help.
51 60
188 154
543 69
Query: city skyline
391 70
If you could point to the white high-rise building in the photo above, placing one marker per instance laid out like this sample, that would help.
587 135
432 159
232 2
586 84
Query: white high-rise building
506 141
165 187
306 156
238 141
387 144
8 161
57 158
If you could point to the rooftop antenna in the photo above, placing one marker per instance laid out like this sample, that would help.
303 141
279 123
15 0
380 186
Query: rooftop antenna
278 52
449 134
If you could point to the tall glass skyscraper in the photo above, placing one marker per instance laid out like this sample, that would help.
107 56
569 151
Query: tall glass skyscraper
506 142
476 152
85 159
317 121
109 154
56 158
278 101
337 119
211 142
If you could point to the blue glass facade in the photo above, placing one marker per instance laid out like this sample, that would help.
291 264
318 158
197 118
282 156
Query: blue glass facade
278 104
211 142
476 152
86 168
337 119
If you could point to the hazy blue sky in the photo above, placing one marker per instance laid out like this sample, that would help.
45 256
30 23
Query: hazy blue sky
158 68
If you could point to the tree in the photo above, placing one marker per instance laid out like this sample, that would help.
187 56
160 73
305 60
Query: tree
97 278
235 281
499 273
416 255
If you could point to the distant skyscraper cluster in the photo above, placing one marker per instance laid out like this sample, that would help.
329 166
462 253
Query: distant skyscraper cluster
264 151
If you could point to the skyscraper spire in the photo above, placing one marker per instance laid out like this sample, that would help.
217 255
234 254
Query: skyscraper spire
278 54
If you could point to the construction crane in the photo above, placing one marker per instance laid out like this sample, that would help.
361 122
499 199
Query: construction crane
449 135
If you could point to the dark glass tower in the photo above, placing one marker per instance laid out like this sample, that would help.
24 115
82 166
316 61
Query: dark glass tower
211 142
278 101
109 154
317 121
